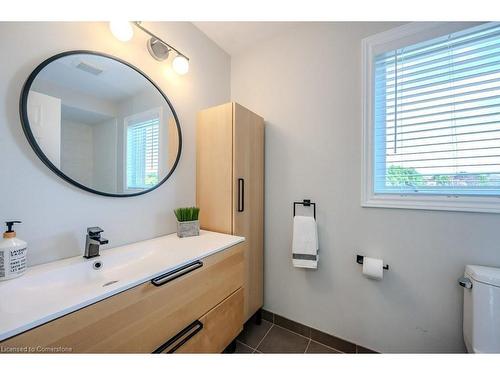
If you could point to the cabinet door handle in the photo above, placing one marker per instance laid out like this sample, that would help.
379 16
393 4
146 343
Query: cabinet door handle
174 274
181 338
241 195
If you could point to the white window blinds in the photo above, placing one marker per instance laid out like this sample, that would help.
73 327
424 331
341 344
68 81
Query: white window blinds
437 115
142 153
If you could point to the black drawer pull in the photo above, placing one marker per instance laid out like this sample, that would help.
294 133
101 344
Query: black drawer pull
241 195
174 274
181 338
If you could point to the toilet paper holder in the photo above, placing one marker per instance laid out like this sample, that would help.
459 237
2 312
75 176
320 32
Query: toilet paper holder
359 260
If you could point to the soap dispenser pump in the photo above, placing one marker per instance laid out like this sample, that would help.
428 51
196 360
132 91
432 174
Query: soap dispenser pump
12 253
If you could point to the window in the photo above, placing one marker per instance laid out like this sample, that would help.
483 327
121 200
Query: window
142 150
432 124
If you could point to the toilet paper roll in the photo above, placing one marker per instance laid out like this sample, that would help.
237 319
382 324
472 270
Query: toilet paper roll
373 268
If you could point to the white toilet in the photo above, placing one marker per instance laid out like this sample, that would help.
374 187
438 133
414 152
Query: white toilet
481 309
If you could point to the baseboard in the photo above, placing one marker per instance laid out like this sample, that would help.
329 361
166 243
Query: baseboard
314 334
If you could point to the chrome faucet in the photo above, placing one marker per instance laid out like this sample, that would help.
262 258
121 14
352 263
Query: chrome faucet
93 241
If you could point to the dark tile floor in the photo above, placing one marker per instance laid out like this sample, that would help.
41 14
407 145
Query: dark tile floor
271 338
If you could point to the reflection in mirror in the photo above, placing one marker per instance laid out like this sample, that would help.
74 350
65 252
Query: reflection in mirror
102 124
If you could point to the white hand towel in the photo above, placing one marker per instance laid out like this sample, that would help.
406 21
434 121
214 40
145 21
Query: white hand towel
305 242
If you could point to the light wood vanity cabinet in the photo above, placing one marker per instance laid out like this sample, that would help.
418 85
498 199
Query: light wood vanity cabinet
230 185
162 317
220 326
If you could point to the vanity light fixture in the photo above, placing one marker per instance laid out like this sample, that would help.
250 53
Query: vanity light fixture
180 64
122 30
158 48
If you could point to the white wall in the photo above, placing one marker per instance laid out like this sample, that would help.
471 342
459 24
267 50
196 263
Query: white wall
77 151
55 214
307 85
105 155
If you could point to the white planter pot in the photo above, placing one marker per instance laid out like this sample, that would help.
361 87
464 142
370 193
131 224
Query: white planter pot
188 228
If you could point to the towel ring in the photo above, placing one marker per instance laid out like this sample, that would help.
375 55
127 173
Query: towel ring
306 203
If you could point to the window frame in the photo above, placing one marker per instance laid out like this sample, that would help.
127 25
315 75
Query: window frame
130 118
399 37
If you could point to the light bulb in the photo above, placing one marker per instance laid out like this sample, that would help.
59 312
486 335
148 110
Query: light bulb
180 65
122 30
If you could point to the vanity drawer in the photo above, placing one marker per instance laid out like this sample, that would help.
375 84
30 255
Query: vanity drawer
213 332
141 319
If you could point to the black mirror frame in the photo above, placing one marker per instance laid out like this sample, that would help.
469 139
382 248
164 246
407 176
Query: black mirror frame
38 151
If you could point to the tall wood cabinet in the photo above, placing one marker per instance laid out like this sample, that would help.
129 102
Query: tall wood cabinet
230 185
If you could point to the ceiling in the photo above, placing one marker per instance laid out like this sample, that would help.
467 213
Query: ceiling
116 82
234 37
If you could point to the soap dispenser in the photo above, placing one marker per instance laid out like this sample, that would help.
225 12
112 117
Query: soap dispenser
12 253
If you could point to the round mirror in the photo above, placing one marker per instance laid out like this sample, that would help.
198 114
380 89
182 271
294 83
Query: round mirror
100 124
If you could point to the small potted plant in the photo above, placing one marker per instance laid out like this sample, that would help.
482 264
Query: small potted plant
187 221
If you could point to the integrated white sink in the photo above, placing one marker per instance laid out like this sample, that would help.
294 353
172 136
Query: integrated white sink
51 290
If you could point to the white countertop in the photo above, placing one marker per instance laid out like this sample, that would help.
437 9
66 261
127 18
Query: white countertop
51 290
